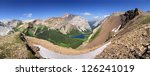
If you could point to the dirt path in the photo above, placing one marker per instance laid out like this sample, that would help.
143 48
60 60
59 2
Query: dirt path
62 50
45 53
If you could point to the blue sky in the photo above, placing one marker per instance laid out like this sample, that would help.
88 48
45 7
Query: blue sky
31 9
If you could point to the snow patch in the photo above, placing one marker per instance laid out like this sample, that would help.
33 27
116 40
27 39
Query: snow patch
116 29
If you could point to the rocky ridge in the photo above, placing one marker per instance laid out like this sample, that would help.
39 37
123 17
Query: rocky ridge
133 39
65 23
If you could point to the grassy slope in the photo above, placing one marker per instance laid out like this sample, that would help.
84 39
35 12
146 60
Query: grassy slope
11 46
55 36
146 20
95 35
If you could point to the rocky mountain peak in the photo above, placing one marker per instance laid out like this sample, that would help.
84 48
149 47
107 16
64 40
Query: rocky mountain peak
68 22
129 15
2 24
68 16
37 21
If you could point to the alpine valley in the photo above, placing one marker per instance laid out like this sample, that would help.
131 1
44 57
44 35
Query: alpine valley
120 35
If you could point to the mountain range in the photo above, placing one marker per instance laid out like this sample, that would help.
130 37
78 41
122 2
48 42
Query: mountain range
64 23
120 35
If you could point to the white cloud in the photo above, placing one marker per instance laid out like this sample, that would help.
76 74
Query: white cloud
87 14
96 17
28 14
106 15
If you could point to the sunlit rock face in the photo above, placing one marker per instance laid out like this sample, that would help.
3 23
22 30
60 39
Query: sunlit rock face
66 23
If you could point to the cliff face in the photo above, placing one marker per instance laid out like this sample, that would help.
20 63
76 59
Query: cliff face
132 41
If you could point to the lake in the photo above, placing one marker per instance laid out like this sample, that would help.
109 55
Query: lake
82 36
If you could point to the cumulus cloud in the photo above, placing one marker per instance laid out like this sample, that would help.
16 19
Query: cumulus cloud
87 14
28 14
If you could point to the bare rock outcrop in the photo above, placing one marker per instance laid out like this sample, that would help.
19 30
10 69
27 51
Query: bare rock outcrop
132 45
133 41
129 15
35 50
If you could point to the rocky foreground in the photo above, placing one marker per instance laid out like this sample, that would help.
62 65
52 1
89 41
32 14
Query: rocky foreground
132 41
12 47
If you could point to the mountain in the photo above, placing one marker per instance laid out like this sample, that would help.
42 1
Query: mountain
14 23
148 11
65 23
67 31
7 26
2 24
103 31
122 35
132 40
4 29
96 22
91 23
